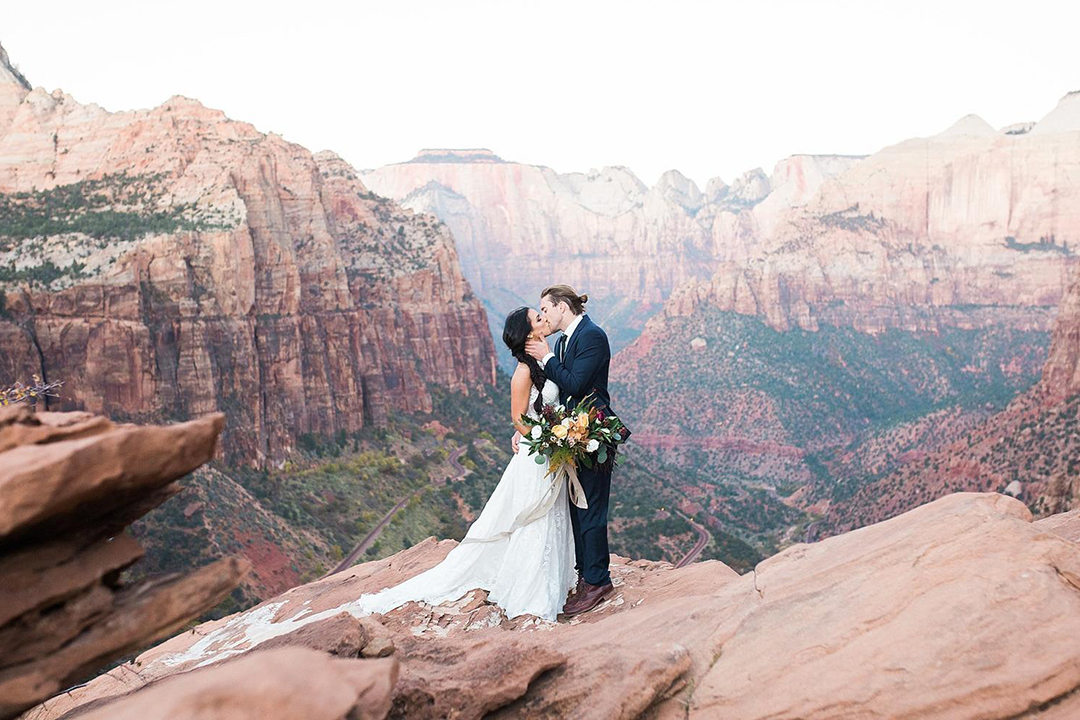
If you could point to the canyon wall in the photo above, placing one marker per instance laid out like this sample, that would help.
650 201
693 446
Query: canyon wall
169 263
521 227
969 228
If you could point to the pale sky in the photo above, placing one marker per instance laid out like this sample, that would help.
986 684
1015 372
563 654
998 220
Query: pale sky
709 88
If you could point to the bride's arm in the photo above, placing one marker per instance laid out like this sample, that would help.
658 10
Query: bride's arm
520 386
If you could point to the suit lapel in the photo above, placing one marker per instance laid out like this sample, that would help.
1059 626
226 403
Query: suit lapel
576 336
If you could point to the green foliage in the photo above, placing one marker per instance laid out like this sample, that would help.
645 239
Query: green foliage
41 275
119 206
828 383
851 219
1046 243
785 407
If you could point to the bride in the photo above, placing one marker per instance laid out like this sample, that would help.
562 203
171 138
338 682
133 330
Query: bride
521 548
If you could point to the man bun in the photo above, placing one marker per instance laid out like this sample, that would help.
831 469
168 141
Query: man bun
566 294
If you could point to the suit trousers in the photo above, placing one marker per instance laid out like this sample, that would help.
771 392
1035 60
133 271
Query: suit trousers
590 526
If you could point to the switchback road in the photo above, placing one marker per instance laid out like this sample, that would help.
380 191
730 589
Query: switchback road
703 540
369 539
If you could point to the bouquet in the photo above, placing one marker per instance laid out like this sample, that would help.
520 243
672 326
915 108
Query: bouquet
568 438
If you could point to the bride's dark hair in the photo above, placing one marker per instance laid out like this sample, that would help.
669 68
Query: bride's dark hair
516 331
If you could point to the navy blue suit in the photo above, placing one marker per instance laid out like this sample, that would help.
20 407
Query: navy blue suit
584 370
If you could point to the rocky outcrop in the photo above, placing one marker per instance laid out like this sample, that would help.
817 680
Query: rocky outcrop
1066 524
69 485
285 683
963 600
172 262
1061 374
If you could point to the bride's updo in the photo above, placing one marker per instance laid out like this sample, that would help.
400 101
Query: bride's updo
516 331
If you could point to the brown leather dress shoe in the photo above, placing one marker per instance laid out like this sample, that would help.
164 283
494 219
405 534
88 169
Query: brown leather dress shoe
575 592
589 597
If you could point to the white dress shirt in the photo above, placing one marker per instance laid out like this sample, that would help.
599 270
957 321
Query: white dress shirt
568 332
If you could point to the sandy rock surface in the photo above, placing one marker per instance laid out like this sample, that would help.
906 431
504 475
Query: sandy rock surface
961 608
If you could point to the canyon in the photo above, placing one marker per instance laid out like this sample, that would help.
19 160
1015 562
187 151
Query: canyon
1030 450
795 350
784 339
859 377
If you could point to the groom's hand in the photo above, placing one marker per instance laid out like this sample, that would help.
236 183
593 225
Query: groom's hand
537 348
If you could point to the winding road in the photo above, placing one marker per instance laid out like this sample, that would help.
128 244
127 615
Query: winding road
369 539
702 541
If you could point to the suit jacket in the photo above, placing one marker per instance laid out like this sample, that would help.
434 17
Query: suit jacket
584 367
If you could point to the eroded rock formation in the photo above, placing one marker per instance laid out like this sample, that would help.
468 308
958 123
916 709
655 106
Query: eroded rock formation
69 485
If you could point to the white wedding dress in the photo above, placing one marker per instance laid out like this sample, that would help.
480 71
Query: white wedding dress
520 549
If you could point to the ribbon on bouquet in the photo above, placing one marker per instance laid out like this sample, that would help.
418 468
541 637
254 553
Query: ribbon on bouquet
567 473
573 486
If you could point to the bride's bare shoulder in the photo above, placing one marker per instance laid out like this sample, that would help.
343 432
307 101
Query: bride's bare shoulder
521 375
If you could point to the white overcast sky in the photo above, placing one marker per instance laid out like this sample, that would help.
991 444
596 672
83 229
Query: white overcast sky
709 88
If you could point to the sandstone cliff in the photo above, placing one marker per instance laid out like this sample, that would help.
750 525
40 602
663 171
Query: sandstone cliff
169 263
1061 374
968 228
521 227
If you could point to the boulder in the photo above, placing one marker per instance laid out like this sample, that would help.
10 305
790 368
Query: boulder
69 485
284 683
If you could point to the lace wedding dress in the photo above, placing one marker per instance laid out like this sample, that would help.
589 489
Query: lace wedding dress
520 549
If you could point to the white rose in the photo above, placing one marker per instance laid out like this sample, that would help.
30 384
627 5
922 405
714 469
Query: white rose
537 431
593 445
566 422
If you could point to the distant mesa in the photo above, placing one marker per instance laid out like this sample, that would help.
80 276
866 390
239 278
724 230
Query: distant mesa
450 155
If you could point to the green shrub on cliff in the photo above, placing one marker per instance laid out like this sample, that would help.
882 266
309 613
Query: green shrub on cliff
119 206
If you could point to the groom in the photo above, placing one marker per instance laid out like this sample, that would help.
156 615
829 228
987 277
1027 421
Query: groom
579 366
